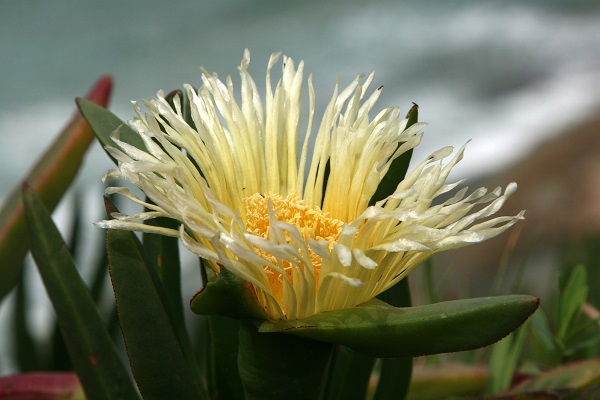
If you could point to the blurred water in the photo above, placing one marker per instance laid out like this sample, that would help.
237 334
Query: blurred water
502 73
505 74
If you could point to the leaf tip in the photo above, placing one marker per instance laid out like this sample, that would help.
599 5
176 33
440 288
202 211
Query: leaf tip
100 92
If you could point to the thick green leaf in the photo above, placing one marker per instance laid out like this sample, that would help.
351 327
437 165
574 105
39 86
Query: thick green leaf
104 123
349 374
394 378
60 360
226 296
223 356
276 366
163 251
350 371
155 354
50 178
217 349
395 373
378 329
94 355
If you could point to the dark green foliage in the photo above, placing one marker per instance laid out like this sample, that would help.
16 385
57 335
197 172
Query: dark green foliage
94 356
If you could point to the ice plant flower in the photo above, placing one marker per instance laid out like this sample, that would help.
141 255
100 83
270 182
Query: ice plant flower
292 219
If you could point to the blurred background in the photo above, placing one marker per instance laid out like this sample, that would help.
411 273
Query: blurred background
509 75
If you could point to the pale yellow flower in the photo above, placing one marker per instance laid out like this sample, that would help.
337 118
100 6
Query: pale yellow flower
251 198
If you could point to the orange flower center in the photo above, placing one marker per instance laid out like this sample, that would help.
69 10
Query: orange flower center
311 223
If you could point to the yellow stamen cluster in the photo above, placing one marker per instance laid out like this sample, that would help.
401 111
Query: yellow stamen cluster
311 223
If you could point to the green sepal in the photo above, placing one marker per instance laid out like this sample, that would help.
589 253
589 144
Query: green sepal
227 296
160 367
98 365
399 166
380 330
104 123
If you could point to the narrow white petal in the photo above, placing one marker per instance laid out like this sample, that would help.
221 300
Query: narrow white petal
346 279
363 259
344 254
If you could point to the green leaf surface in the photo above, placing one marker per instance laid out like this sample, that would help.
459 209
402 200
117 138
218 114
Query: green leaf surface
223 356
50 177
276 366
60 360
349 376
542 345
104 123
395 373
163 251
503 360
94 355
378 329
226 296
26 349
394 378
572 295
155 355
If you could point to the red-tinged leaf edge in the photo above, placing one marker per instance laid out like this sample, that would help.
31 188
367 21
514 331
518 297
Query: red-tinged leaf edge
227 296
50 178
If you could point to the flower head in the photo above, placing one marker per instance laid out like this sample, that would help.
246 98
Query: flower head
295 223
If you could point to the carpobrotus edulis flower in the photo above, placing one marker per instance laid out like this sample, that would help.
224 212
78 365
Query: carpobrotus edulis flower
293 219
